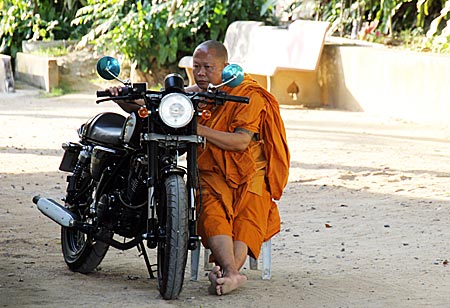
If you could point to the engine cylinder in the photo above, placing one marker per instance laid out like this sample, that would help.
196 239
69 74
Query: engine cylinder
101 156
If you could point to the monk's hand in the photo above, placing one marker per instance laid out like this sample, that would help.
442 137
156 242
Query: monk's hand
115 91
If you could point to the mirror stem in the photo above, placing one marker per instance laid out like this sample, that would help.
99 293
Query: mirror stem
213 88
125 82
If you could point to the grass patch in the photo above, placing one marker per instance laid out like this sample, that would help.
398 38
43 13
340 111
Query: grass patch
53 93
63 89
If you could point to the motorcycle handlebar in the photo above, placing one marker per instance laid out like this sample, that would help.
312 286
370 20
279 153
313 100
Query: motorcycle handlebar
100 93
218 97
221 97
237 99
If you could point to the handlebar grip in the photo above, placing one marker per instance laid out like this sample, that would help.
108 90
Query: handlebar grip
125 91
101 93
237 99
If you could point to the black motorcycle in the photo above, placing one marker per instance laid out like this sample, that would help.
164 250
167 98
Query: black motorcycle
137 178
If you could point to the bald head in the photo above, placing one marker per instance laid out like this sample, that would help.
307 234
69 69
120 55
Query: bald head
219 50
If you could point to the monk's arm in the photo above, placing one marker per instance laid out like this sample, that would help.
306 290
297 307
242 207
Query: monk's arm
237 141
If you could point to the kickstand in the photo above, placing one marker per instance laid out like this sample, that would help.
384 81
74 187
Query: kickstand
141 248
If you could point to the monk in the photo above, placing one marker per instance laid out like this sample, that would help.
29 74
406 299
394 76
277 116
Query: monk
243 167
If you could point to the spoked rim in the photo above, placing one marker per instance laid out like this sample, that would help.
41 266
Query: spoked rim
75 244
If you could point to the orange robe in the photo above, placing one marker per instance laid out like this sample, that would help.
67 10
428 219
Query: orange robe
237 192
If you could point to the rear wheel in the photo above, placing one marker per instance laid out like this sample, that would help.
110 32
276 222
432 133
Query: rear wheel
81 252
173 243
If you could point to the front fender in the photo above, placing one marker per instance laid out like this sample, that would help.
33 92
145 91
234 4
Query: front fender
167 171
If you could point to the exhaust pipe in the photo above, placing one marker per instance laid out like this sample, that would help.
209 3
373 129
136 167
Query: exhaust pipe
66 218
56 212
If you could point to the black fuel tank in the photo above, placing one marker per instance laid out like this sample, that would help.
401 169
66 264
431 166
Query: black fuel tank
105 128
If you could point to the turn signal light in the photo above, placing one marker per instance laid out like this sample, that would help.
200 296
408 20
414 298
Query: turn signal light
206 114
143 112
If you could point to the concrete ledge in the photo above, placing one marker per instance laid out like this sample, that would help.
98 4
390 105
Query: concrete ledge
403 84
39 71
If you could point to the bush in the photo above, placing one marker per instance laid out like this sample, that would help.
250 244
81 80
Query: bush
27 20
155 33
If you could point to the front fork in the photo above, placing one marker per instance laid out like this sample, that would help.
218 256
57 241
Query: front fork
152 226
192 183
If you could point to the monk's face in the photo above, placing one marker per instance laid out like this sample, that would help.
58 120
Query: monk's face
207 67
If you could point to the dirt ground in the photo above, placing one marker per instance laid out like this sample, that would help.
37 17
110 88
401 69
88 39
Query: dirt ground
365 216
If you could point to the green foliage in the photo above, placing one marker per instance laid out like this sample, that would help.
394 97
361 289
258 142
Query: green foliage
152 33
51 51
155 33
53 93
382 20
16 20
439 34
34 20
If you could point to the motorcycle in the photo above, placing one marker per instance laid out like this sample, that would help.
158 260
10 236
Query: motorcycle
128 179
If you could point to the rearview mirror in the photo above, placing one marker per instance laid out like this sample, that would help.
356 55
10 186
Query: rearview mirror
232 75
108 68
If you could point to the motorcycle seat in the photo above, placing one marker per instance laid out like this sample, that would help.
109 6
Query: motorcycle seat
105 128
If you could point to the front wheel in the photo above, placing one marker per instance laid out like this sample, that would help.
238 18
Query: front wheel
174 235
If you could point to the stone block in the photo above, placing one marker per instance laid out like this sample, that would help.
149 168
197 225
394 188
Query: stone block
39 71
6 74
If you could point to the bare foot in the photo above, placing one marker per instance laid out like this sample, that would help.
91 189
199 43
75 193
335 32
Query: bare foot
229 283
215 273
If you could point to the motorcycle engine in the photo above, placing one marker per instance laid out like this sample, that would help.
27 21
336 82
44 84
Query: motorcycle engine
124 210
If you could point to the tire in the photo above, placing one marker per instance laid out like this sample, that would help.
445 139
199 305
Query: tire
173 247
81 253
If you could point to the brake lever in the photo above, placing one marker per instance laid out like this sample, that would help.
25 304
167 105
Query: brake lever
127 97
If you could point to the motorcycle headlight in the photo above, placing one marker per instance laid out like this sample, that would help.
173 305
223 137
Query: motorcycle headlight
176 110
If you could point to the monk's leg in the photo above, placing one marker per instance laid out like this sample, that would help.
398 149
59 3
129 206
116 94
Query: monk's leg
240 253
223 249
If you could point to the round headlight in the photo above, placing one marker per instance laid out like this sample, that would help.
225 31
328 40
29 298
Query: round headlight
176 110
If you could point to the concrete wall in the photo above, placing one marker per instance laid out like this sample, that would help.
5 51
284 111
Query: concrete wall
40 71
293 87
403 84
371 78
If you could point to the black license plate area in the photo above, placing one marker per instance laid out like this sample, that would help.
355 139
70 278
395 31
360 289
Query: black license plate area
70 157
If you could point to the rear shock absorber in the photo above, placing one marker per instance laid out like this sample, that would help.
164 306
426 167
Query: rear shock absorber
75 180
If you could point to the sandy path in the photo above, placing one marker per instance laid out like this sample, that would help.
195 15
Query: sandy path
365 216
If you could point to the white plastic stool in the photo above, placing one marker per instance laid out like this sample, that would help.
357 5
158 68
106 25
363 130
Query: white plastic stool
266 255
